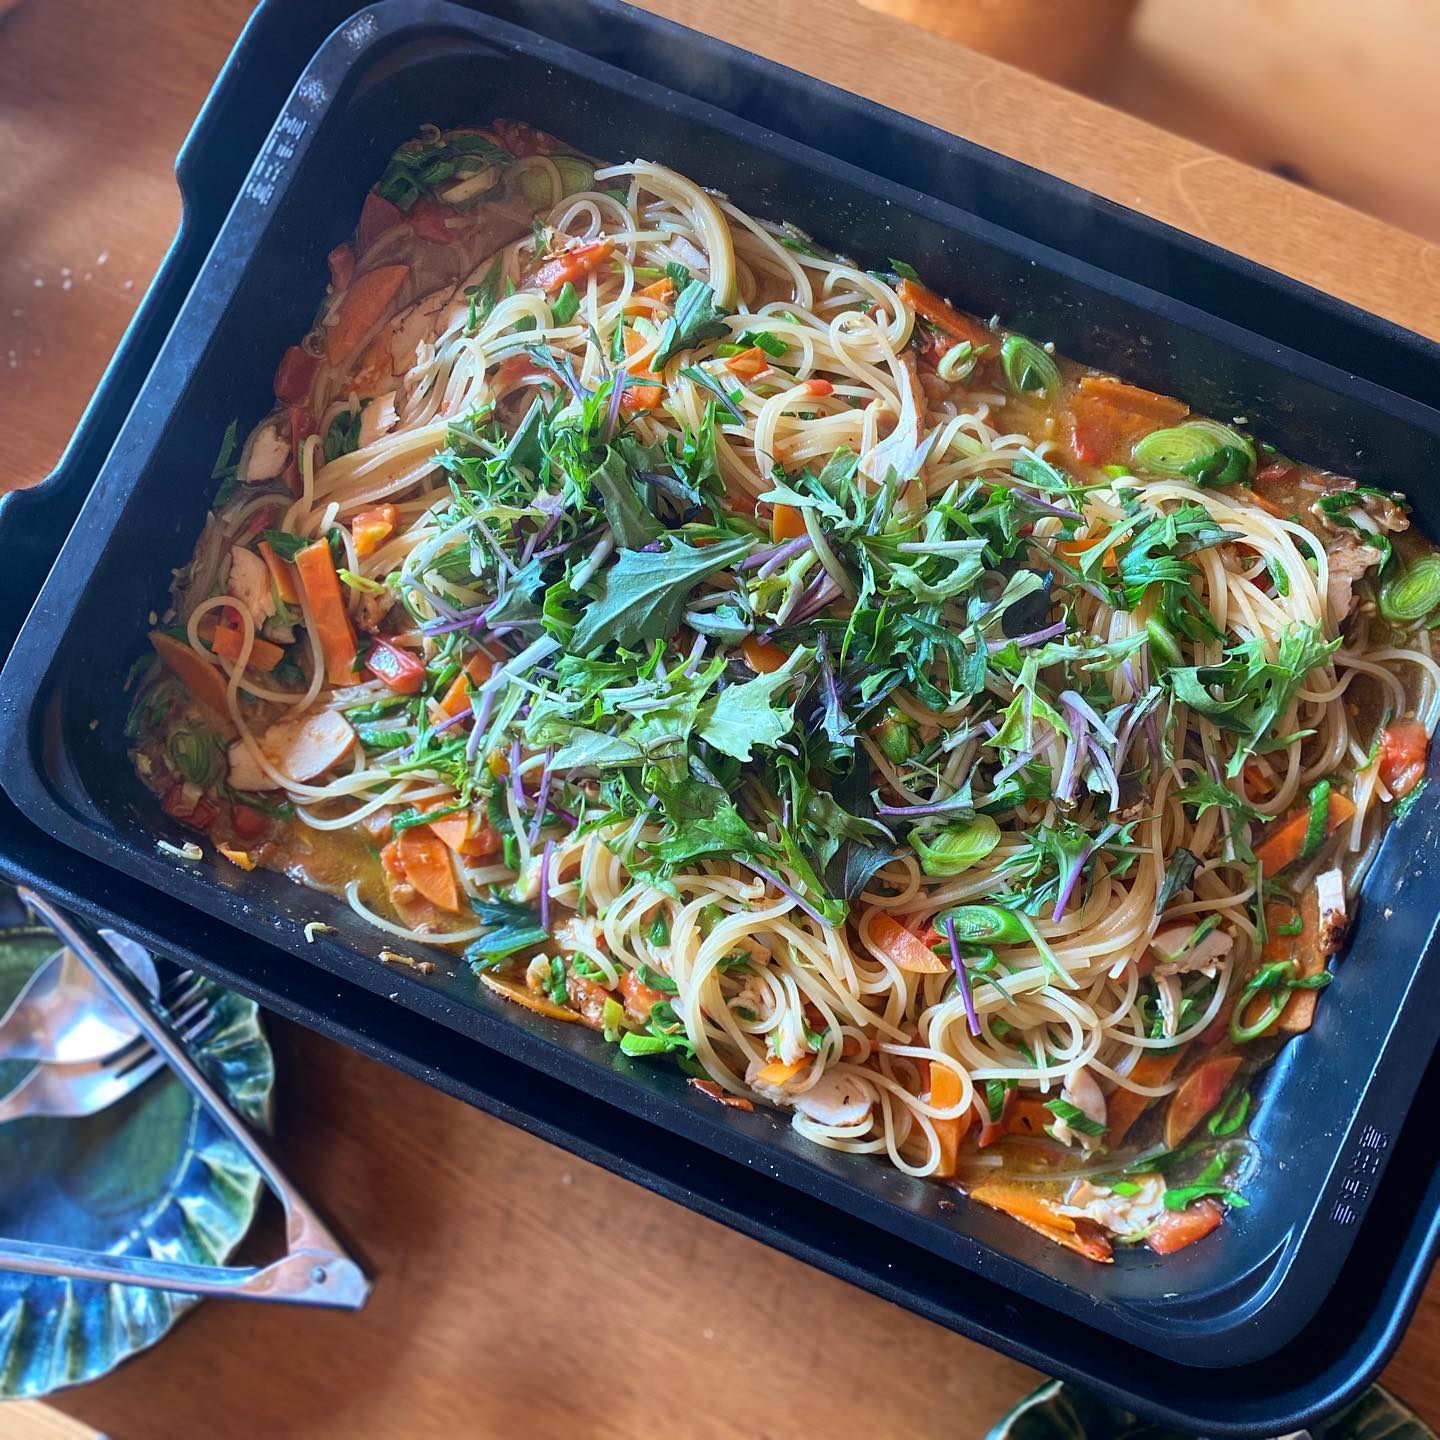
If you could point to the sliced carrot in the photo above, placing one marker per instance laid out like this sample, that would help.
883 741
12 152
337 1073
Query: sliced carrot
1176 1229
748 363
317 574
1124 1107
639 997
942 314
467 834
374 369
573 265
1072 550
1404 751
427 864
295 375
787 523
904 946
1257 781
509 990
264 656
641 397
945 1092
1028 1116
371 528
1197 1095
377 216
476 672
1268 506
206 682
777 1072
1283 841
1149 403
1022 1203
763 657
714 1091
282 572
662 292
362 307
342 266
1305 950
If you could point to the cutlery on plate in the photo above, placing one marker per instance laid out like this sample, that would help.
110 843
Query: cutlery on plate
76 1090
64 1016
315 1270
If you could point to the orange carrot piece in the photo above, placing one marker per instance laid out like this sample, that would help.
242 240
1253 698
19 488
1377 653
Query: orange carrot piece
748 363
282 573
787 523
1124 1107
362 307
206 682
662 291
945 1091
1072 550
1197 1095
1028 1116
762 656
905 947
777 1072
1149 403
327 611
942 314
641 397
1176 1229
527 999
370 529
1021 1203
426 860
714 1091
467 834
264 656
1282 842
476 672
573 265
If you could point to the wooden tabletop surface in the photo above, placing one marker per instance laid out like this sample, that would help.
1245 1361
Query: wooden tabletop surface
522 1292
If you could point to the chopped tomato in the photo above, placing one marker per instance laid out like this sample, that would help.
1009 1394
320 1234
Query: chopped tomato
342 266
818 387
1124 1107
376 217
302 426
200 813
1404 749
1197 1095
1274 473
295 375
639 996
428 867
513 371
427 220
249 824
1176 1229
572 265
1106 414
401 670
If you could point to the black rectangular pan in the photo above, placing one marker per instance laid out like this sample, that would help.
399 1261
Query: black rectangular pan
1330 1115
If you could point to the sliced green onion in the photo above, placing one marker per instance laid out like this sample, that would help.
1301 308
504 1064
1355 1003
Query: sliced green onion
196 754
957 848
1179 1199
1231 1113
1412 593
575 174
1163 642
987 924
1204 451
957 364
1319 817
895 736
1027 367
566 305
612 1016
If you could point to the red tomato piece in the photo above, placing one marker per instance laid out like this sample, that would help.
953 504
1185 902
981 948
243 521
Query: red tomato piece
401 670
377 216
427 220
295 375
1404 751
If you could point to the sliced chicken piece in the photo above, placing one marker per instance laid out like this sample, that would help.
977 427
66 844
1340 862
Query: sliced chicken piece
1333 915
379 417
836 1099
266 454
1324 916
249 583
1119 1214
299 749
1169 947
416 324
1348 558
1083 1092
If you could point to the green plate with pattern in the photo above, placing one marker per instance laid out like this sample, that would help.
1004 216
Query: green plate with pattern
1058 1411
153 1175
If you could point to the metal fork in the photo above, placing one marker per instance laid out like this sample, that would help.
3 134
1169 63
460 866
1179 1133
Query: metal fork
73 1090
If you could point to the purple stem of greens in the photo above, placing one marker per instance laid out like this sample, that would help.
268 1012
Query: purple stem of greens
545 857
465 620
697 654
822 592
1065 784
1050 508
771 878
1077 702
1103 765
1018 763
1072 878
517 789
564 367
443 608
772 557
617 389
1035 637
958 961
542 796
958 801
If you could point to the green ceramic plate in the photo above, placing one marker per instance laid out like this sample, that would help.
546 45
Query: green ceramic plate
153 1175
1061 1412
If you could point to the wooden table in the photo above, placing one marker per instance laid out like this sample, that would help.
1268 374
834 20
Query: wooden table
522 1292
